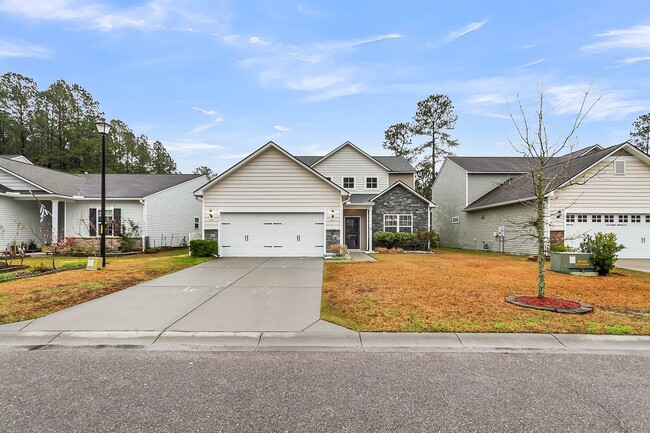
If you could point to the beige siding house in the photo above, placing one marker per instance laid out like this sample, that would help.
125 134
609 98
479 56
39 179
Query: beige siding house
275 204
488 203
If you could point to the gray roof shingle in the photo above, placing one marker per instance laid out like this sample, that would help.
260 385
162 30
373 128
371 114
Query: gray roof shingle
396 164
361 198
89 185
522 189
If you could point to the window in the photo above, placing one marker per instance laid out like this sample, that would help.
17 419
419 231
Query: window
570 218
455 220
196 223
398 223
635 218
622 218
647 218
619 168
112 222
371 182
596 219
582 218
348 182
609 218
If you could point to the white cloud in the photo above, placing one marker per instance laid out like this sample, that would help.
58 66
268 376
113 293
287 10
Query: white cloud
635 37
190 146
256 40
20 49
204 111
314 69
459 33
536 62
161 14
613 105
282 128
632 60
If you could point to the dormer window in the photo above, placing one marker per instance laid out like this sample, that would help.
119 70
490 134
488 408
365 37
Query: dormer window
348 182
371 183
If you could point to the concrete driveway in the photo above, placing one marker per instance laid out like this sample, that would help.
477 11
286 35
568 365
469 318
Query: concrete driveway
642 265
227 294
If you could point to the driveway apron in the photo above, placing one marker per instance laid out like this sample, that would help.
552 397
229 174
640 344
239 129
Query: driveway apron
228 294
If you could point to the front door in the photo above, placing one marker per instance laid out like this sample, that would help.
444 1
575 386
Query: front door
352 225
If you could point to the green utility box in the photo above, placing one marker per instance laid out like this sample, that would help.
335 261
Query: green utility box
573 264
94 263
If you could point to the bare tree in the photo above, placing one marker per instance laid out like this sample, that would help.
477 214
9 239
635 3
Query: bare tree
547 164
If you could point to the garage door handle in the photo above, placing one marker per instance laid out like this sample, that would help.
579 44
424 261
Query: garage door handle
298 238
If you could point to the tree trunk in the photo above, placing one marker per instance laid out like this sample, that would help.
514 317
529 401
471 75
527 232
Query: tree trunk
541 253
433 161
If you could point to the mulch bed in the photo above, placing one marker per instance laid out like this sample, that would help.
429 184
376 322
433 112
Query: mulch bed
550 304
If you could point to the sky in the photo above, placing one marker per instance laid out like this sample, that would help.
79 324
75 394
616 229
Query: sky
215 80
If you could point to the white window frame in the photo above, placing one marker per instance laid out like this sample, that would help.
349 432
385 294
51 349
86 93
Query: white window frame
354 182
582 218
197 223
623 219
570 218
370 178
647 218
609 218
399 225
619 168
596 218
635 218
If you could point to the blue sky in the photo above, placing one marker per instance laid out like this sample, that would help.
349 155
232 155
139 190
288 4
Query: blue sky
214 80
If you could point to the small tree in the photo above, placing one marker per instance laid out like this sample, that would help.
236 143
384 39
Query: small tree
206 171
604 248
640 136
544 168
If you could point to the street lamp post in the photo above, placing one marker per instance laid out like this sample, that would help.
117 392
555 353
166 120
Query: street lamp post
103 128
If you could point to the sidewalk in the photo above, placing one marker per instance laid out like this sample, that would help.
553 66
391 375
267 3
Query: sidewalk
322 336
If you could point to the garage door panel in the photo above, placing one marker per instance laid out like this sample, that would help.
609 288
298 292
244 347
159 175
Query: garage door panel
273 235
634 235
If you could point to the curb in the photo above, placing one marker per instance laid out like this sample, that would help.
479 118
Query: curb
339 341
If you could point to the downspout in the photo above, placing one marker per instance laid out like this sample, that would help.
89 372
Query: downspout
143 202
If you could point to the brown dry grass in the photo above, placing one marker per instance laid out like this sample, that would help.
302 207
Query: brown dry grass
457 291
34 297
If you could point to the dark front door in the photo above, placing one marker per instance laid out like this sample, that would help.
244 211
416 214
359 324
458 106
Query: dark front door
352 232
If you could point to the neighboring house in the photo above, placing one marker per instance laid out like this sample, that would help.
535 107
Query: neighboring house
487 202
275 204
54 205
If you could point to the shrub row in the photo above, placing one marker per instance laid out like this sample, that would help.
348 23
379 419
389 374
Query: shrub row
203 248
421 240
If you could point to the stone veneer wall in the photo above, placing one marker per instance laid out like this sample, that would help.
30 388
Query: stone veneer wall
332 237
399 200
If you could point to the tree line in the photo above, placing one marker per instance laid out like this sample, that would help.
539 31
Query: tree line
55 128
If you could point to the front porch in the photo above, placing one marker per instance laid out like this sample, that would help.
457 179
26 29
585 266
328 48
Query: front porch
357 227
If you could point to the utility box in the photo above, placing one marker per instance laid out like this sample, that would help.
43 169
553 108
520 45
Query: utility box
573 264
94 263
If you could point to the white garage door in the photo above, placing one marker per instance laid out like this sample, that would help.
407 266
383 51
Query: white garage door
272 235
632 230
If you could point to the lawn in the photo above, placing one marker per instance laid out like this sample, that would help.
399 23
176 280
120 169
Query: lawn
462 291
30 298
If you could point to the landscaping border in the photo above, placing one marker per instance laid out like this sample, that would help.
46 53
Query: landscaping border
583 309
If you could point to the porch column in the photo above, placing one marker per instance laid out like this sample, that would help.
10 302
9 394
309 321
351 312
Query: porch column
55 221
370 229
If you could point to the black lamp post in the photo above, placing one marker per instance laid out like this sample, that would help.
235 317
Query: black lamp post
103 128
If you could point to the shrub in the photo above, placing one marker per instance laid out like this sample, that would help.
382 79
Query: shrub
203 248
561 248
418 240
396 251
604 248
130 232
339 249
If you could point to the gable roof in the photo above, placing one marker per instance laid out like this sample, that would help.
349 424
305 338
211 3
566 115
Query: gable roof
350 144
89 185
408 188
508 164
19 158
270 144
560 171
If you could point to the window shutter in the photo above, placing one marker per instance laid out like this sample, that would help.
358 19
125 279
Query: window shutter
92 227
117 216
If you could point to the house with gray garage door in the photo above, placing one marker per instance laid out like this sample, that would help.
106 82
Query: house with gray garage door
488 202
273 203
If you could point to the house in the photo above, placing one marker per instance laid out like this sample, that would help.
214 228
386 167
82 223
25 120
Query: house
273 203
487 202
53 205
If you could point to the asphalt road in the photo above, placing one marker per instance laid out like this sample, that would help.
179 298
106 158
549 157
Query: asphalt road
140 391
